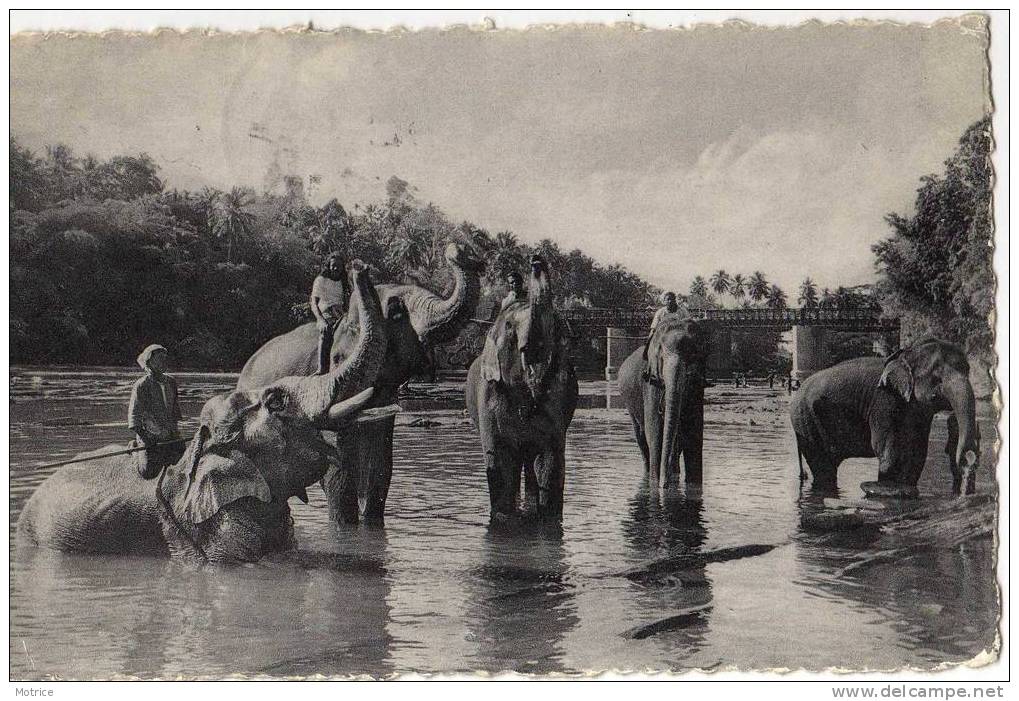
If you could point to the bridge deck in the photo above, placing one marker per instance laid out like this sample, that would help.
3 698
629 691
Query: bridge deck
854 319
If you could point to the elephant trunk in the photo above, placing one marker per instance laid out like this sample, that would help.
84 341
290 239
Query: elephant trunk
959 394
321 397
672 410
361 368
439 320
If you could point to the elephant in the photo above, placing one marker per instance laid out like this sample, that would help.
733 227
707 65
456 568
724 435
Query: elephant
521 394
664 395
415 320
874 407
225 501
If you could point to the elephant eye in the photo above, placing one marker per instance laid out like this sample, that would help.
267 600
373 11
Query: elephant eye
276 402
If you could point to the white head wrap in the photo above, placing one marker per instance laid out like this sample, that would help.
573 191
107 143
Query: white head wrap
143 359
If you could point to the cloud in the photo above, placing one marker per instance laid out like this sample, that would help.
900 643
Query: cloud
790 203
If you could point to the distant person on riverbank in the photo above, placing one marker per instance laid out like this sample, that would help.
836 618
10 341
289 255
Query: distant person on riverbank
516 289
329 305
154 412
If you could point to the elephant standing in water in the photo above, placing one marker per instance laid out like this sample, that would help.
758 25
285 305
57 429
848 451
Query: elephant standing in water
664 395
869 407
415 320
226 499
521 395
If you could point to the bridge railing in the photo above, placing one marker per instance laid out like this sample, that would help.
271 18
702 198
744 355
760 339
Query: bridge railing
865 317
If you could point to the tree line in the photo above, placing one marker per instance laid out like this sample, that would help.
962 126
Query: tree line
106 259
935 271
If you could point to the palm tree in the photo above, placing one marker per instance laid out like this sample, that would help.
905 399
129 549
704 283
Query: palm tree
507 255
699 288
827 299
230 217
776 297
808 293
720 282
738 288
758 287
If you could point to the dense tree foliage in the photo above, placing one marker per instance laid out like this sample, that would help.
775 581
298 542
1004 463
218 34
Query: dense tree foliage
935 270
105 260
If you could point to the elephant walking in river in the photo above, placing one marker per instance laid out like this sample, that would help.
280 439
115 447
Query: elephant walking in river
870 407
664 395
226 499
521 395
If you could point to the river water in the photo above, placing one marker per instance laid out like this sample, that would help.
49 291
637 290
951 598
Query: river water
438 591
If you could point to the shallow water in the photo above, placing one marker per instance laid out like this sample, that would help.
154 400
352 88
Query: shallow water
437 590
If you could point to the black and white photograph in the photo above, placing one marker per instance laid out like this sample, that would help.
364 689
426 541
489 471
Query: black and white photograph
506 349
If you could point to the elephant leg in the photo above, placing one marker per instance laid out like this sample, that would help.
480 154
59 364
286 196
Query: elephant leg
638 432
950 447
531 492
693 451
824 469
340 483
913 449
340 486
502 466
551 482
376 471
653 429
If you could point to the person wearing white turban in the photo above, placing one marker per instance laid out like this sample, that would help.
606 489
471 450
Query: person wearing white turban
154 413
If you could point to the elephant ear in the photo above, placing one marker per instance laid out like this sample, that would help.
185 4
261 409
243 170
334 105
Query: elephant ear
898 375
501 352
219 481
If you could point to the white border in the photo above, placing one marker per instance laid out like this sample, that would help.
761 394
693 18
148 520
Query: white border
227 20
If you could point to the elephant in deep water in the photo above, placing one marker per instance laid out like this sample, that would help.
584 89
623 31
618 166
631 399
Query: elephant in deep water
226 499
664 396
874 407
521 394
415 321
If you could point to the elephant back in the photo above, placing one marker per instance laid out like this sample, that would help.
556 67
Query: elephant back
293 354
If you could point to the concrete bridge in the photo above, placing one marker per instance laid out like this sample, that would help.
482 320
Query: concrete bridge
626 329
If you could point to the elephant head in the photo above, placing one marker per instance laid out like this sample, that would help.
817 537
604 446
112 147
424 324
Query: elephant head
405 354
527 344
677 356
935 374
254 449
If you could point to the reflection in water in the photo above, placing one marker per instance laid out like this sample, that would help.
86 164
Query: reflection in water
940 598
437 591
666 523
522 602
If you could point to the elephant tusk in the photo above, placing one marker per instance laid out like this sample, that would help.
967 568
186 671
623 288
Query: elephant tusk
348 407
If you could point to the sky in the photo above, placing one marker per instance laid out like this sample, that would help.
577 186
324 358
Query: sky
672 152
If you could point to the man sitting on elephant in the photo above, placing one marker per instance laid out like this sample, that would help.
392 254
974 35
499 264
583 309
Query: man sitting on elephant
328 304
154 412
516 289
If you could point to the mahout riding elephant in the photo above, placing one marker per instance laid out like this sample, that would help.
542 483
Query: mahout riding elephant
226 499
873 407
521 394
664 395
416 319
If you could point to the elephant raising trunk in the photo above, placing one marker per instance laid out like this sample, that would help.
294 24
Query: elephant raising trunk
521 395
226 499
435 319
414 320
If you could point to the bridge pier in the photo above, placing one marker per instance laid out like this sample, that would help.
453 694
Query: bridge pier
720 357
619 344
810 351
